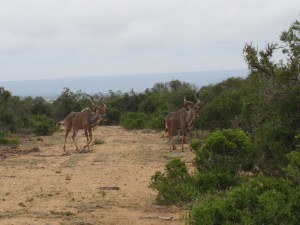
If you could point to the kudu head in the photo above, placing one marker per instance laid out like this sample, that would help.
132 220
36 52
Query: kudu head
193 110
99 109
192 106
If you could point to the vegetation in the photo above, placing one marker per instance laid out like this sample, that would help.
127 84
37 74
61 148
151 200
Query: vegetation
247 165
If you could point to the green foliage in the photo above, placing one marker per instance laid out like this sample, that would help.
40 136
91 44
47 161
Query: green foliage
6 140
41 125
98 141
174 185
293 167
261 200
273 143
156 121
222 104
227 150
132 120
195 144
69 101
212 182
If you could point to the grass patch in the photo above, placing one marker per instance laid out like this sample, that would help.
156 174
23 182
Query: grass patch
21 162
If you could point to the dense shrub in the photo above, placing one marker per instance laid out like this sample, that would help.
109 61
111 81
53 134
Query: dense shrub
132 120
225 150
213 182
261 200
41 125
6 140
156 121
174 185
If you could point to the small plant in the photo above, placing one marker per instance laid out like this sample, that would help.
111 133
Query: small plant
98 141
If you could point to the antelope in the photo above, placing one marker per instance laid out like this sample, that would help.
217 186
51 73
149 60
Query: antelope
182 119
86 119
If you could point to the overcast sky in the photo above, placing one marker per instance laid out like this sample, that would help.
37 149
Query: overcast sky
71 38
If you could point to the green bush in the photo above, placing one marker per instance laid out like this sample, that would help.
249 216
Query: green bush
133 120
174 185
225 150
212 182
273 142
262 200
293 167
41 125
6 140
156 121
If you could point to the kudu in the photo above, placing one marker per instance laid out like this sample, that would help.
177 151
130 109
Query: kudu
182 119
86 120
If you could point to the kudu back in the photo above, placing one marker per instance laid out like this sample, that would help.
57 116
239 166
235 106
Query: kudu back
182 119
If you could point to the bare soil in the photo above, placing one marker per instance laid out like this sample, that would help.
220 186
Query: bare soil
39 184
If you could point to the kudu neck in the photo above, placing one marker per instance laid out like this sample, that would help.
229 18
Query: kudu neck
191 114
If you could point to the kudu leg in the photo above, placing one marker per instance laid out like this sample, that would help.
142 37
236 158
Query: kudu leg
184 140
74 139
89 138
66 135
171 140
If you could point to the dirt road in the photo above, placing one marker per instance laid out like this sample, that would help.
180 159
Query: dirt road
108 185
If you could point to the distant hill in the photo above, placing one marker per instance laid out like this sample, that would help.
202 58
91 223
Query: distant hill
51 88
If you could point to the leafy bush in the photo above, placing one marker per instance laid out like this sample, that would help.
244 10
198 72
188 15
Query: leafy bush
262 200
156 121
174 185
212 182
225 150
132 120
6 140
293 167
195 144
41 125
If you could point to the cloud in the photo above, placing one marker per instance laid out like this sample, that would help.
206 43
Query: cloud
135 36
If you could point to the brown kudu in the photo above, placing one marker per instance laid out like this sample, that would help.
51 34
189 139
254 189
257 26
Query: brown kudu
86 120
182 119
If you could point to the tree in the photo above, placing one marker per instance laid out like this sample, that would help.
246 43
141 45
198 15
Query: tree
277 112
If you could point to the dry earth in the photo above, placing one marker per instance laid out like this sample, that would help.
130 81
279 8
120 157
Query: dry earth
108 185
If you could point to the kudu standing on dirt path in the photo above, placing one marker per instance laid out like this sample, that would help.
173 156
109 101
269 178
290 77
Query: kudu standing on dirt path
182 119
86 120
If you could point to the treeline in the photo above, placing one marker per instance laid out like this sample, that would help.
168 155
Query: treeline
132 110
247 165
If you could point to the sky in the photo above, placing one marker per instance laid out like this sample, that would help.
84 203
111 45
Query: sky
41 39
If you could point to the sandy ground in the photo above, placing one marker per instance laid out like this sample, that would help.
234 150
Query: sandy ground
108 185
